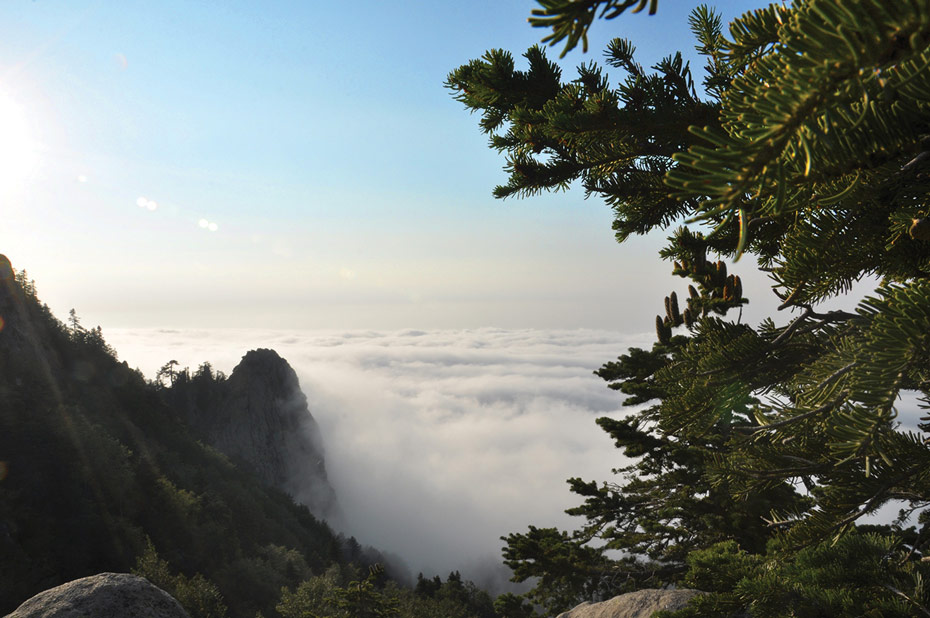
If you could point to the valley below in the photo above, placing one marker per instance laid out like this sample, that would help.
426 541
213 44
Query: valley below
439 442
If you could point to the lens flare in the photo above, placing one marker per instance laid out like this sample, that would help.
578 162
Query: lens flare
19 152
144 202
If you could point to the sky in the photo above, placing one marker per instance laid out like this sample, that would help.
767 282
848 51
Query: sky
296 165
200 179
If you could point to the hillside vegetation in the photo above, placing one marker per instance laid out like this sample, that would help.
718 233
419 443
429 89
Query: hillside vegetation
99 473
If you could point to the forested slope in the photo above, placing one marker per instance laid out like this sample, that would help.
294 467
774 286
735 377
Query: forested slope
100 470
96 466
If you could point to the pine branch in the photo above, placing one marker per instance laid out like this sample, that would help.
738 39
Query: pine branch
794 419
913 602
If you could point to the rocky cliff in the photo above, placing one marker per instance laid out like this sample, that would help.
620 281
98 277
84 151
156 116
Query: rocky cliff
259 418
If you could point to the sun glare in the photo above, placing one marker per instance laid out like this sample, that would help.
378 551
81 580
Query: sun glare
18 150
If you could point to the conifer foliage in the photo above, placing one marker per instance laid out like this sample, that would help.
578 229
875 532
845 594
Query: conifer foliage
806 148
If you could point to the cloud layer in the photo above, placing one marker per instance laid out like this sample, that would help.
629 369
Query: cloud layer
438 443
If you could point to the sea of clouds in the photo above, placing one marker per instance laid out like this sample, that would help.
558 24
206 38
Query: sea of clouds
437 443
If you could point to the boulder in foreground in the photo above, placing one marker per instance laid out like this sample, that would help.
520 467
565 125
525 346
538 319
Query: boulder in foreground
116 595
639 604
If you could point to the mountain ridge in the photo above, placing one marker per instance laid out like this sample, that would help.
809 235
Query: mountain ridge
96 470
101 471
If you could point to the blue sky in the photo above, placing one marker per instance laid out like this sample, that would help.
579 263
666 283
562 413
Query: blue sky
343 185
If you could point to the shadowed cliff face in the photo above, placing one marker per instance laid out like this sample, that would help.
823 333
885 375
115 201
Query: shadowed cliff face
259 417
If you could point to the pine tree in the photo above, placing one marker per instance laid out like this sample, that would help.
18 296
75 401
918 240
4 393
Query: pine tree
74 323
167 373
808 150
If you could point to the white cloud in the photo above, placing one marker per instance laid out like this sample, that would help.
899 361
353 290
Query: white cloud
438 442
144 202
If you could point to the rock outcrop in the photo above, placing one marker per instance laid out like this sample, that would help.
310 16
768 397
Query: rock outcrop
259 417
107 594
639 604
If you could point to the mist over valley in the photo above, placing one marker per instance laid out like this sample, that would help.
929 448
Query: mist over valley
436 442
